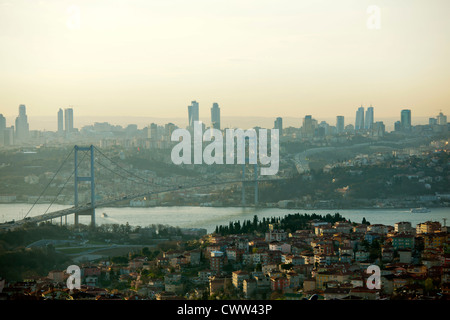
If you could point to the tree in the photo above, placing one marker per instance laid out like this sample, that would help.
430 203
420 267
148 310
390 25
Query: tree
429 284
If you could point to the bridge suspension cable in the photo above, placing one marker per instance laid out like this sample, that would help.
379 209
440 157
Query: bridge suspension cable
120 175
65 183
127 171
45 189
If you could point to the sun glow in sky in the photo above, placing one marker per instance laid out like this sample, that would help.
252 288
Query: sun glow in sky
254 57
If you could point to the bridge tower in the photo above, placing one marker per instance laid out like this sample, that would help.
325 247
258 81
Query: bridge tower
247 140
91 179
255 182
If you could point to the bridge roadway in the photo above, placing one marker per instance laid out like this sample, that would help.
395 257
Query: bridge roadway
86 208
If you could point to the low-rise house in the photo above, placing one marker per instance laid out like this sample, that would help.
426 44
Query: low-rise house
401 281
417 271
378 228
362 255
405 256
294 279
57 275
342 227
372 236
308 258
365 293
335 293
360 229
345 258
280 246
309 285
91 281
249 287
293 259
275 235
217 284
204 275
403 227
387 254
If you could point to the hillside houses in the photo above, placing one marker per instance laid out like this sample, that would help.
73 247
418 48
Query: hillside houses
326 259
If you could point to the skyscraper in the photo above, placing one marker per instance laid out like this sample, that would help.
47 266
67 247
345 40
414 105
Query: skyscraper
379 129
22 127
2 129
441 119
359 123
278 124
169 128
2 122
193 113
215 116
60 121
68 120
153 131
405 118
309 124
340 124
368 124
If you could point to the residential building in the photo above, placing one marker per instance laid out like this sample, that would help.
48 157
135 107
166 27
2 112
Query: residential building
217 284
249 287
435 240
280 246
405 255
238 278
428 227
403 241
403 227
217 261
279 283
276 235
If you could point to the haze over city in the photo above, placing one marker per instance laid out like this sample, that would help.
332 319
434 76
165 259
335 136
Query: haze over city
255 58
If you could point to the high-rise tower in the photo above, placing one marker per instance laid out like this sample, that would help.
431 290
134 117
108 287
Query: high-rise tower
405 118
368 124
215 116
193 113
60 121
359 123
22 127
340 124
278 124
68 120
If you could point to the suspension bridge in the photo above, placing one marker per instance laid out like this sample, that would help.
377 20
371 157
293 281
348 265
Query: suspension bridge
88 209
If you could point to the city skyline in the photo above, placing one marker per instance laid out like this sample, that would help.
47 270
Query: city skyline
65 119
148 58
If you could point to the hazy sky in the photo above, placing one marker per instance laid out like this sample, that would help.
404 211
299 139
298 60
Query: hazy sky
254 57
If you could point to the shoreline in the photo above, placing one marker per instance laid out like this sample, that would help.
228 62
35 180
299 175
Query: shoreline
251 206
